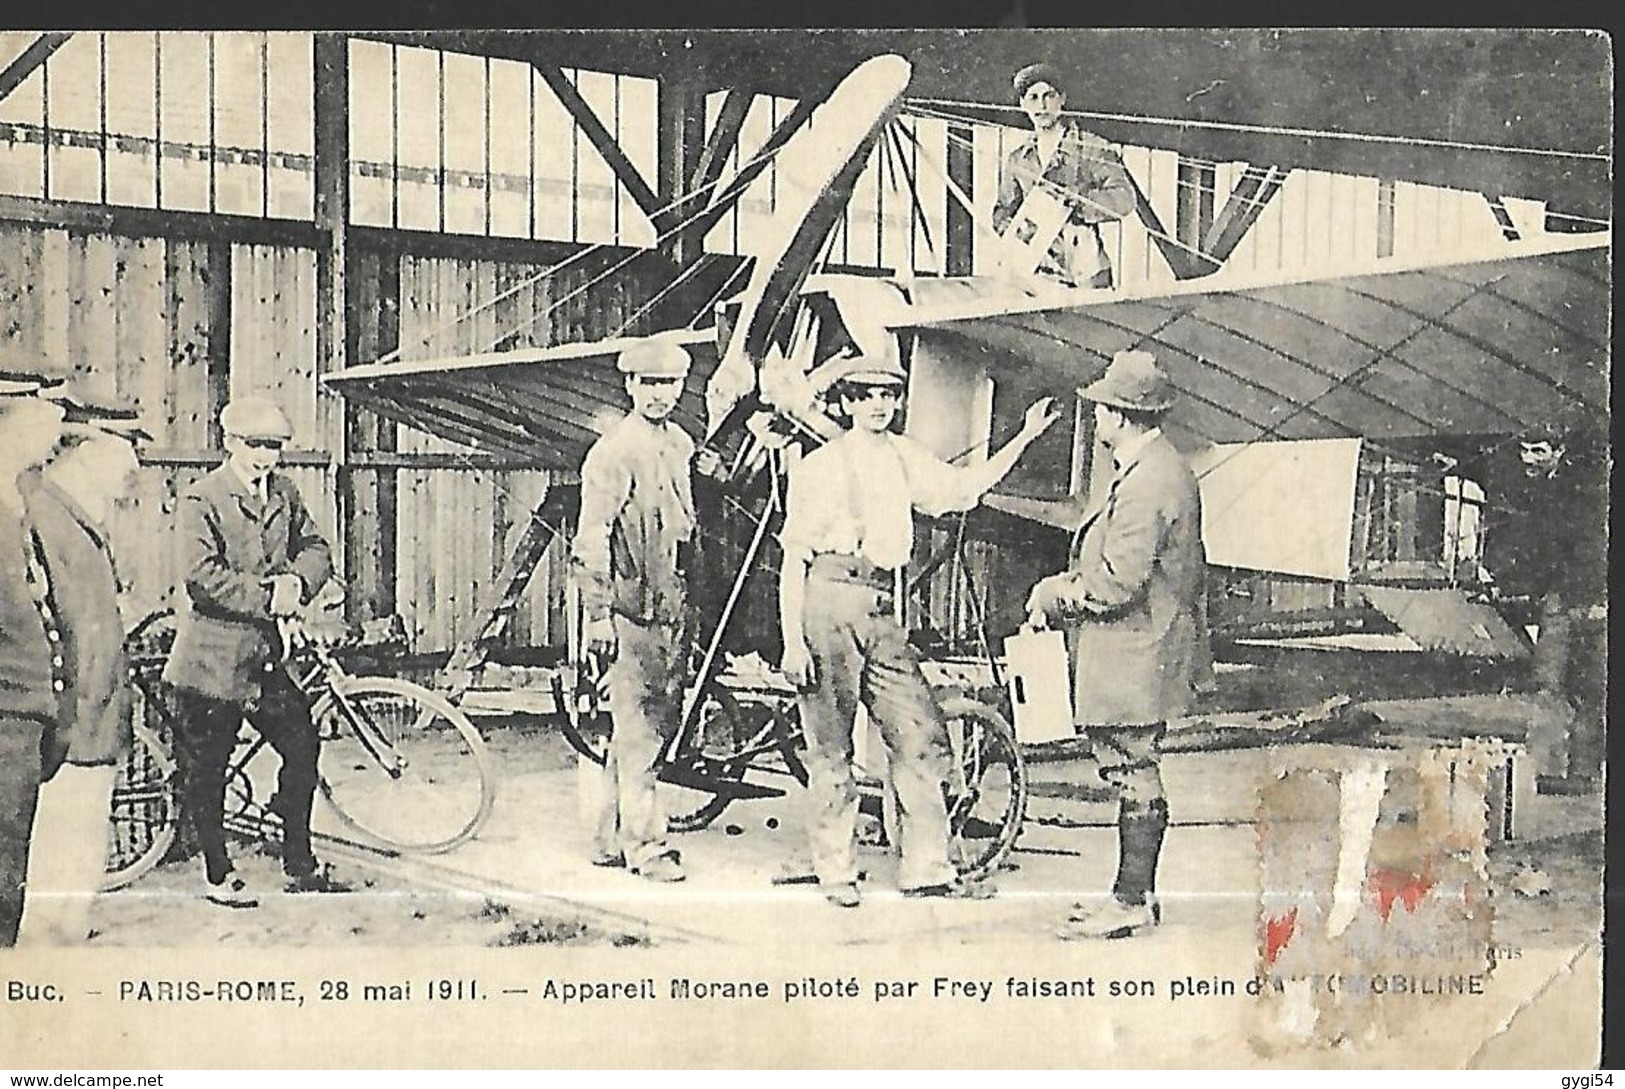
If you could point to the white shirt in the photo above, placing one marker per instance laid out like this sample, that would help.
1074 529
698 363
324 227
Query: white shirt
855 498
258 490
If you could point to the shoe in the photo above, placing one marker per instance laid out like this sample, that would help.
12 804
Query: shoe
845 896
615 861
1113 919
320 880
794 875
1084 910
952 890
666 867
231 891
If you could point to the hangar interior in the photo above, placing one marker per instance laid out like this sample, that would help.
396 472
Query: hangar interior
190 215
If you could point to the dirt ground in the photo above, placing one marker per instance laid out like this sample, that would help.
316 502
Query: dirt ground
166 907
1547 890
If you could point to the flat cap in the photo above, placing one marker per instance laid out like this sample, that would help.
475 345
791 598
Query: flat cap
874 353
255 418
657 356
1038 73
872 371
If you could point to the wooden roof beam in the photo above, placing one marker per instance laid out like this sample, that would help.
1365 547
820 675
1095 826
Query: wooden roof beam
1178 258
30 59
606 144
1241 210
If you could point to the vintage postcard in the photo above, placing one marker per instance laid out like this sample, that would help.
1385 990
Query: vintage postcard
530 549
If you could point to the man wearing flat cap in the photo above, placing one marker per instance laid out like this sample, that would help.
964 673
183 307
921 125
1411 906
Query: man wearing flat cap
93 468
249 554
634 534
1065 161
31 667
848 528
1132 603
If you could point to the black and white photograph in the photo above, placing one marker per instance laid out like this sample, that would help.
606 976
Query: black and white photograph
534 549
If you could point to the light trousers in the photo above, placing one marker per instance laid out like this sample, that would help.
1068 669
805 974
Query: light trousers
624 814
69 854
861 654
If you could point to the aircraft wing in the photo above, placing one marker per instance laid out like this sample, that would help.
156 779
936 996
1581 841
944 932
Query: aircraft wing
540 406
1492 346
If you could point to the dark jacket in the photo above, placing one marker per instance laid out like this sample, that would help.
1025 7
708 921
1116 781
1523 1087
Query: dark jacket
94 706
25 655
229 546
1086 172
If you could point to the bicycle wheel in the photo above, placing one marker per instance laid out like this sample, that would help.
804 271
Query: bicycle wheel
986 810
145 810
735 751
402 766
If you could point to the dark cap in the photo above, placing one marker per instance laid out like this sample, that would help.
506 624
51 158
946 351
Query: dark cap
1038 73
93 413
20 377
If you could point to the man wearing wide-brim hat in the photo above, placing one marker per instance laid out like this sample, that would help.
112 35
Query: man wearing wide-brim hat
1132 604
848 528
93 467
30 669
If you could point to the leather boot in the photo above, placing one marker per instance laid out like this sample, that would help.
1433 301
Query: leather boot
1140 832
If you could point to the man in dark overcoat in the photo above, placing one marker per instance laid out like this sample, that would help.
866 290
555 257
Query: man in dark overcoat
31 668
92 469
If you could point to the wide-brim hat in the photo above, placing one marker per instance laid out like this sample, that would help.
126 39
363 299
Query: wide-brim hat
1132 381
1038 73
255 418
655 357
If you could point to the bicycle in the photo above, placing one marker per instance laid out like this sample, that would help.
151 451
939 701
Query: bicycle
400 766
744 742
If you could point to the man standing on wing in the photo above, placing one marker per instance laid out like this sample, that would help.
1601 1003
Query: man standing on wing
637 522
1132 602
847 529
1077 167
249 554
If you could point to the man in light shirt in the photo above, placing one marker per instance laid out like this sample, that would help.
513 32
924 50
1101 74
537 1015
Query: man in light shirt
848 528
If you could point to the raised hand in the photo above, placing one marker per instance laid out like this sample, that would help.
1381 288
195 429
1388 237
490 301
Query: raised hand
1040 415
